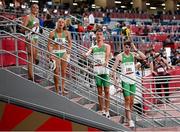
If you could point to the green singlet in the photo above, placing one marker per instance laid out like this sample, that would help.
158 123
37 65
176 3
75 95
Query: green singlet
128 69
99 55
60 41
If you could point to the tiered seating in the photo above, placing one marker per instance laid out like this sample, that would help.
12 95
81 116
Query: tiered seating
159 37
137 16
9 44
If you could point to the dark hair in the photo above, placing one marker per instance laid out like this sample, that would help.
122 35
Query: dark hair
116 53
48 16
99 30
127 43
31 4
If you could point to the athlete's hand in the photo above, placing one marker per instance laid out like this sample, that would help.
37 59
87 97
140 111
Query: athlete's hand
52 57
68 57
84 55
154 73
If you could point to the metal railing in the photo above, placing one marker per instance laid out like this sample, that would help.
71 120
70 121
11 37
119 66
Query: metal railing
75 71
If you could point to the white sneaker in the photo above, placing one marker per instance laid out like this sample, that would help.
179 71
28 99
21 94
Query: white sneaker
107 115
103 113
52 65
131 124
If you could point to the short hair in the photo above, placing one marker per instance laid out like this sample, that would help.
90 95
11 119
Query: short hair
99 30
127 43
34 4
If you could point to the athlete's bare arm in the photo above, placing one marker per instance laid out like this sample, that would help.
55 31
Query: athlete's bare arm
108 53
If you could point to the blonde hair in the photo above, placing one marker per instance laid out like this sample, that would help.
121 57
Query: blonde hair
68 22
61 19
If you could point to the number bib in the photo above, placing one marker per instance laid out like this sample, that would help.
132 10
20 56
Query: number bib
128 69
60 40
160 70
99 58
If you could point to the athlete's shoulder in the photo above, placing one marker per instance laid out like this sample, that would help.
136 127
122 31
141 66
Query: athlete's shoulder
26 17
52 33
107 45
37 19
119 55
66 32
94 46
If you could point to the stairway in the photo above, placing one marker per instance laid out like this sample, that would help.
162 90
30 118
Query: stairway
159 129
33 96
75 96
81 94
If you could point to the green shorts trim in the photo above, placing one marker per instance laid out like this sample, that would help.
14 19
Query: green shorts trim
59 53
128 87
100 82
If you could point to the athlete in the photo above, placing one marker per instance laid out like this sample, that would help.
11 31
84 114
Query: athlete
126 59
60 35
32 22
101 55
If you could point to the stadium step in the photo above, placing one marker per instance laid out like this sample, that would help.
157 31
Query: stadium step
52 87
168 108
92 106
77 99
117 119
159 129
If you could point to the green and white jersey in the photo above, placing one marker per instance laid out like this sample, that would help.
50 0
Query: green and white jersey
99 55
60 40
31 24
128 68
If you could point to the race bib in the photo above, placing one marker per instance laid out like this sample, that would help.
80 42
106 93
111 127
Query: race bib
35 29
99 61
99 58
129 68
60 40
160 70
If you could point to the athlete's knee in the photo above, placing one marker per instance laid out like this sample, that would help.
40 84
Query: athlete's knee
56 71
63 72
132 100
127 100
107 91
99 90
